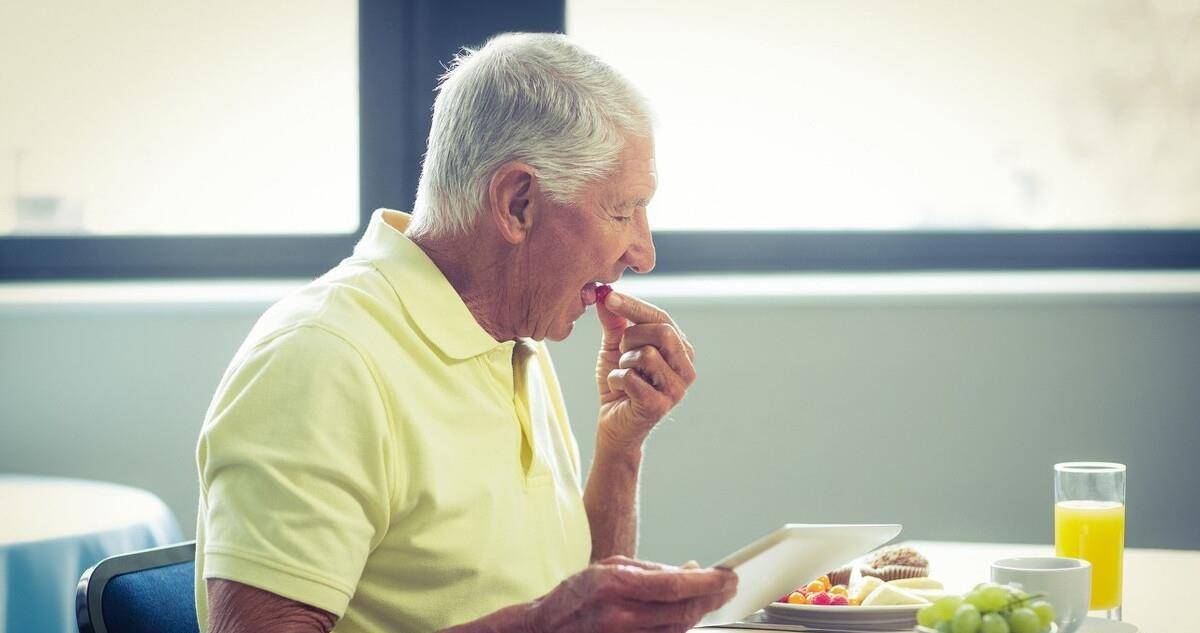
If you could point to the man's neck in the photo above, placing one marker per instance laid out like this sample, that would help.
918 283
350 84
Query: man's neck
477 274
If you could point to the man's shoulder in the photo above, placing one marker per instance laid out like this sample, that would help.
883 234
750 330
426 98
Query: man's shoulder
351 301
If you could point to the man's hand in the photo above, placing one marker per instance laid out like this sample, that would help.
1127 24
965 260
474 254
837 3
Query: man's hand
644 370
623 594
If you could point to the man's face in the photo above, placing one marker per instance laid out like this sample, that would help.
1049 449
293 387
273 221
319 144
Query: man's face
596 239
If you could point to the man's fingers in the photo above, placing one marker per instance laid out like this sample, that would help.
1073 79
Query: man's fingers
635 309
612 325
650 363
687 612
646 585
618 307
641 392
668 341
634 562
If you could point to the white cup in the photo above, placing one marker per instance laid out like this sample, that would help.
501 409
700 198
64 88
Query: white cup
1066 584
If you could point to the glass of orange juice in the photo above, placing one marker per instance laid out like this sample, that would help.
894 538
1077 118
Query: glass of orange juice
1089 523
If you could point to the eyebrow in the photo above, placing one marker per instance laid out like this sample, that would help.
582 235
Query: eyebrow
633 202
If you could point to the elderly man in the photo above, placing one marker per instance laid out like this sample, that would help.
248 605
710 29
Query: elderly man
389 450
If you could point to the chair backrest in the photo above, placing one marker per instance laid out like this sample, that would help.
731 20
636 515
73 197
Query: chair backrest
151 591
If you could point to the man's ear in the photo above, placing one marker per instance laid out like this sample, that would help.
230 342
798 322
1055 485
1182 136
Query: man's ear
512 200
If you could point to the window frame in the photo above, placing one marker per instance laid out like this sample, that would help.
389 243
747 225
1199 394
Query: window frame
403 45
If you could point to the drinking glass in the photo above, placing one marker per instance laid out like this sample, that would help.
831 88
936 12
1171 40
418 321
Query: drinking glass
1089 523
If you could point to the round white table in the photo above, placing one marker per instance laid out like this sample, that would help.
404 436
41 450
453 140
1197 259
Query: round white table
51 530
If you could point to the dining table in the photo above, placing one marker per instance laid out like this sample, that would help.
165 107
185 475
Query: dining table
52 529
1156 593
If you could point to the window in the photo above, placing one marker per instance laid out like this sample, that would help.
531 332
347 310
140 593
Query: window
218 139
227 139
927 133
188 117
822 114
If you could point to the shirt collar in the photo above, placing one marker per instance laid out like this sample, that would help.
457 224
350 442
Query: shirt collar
427 295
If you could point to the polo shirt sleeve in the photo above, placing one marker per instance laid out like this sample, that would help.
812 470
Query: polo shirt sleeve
296 464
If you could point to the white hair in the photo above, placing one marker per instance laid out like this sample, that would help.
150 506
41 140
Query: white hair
537 98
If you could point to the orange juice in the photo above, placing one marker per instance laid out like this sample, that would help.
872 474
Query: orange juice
1095 532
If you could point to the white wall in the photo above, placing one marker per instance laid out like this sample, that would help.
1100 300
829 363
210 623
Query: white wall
819 399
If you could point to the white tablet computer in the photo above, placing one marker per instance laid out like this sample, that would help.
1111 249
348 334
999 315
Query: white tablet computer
790 556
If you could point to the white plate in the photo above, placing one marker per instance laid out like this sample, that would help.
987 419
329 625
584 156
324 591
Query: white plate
888 618
800 610
790 556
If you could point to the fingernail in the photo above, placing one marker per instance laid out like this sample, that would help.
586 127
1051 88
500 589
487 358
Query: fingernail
613 300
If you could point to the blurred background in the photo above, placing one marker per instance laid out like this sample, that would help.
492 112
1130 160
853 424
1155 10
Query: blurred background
925 249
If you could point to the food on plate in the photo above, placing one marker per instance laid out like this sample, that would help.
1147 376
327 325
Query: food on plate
820 598
887 595
897 555
841 575
868 591
932 595
895 562
864 587
916 583
988 608
821 593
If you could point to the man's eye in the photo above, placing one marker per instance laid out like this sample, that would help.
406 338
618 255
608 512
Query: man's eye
623 218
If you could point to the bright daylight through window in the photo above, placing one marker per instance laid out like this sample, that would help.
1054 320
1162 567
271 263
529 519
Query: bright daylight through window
186 117
930 114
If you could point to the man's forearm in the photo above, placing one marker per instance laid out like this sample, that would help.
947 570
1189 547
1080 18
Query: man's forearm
611 498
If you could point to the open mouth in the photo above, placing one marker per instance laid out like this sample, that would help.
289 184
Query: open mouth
588 293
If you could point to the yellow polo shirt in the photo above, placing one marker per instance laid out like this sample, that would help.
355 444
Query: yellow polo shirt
373 452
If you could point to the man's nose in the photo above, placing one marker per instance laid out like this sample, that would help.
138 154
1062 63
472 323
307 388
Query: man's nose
640 256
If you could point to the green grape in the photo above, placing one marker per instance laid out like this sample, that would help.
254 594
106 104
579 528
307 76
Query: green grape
1044 611
975 597
944 627
1015 591
992 598
993 623
966 619
1024 620
927 616
943 608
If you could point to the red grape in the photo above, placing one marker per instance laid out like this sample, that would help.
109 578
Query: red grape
602 291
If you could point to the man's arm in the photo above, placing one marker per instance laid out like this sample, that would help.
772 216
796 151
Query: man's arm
616 594
237 608
611 501
644 369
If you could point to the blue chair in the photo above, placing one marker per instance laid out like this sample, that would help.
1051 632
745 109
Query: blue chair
151 591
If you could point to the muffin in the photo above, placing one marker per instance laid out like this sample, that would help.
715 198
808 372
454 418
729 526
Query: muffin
841 575
896 562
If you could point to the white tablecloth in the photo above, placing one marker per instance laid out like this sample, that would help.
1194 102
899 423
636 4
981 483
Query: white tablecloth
1157 588
51 530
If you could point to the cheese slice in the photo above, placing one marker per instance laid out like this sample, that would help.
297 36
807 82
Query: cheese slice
887 595
916 583
932 595
864 587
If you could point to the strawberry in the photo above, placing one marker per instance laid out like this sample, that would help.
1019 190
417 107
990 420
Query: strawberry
820 598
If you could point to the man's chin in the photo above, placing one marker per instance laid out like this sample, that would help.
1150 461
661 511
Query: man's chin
560 333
